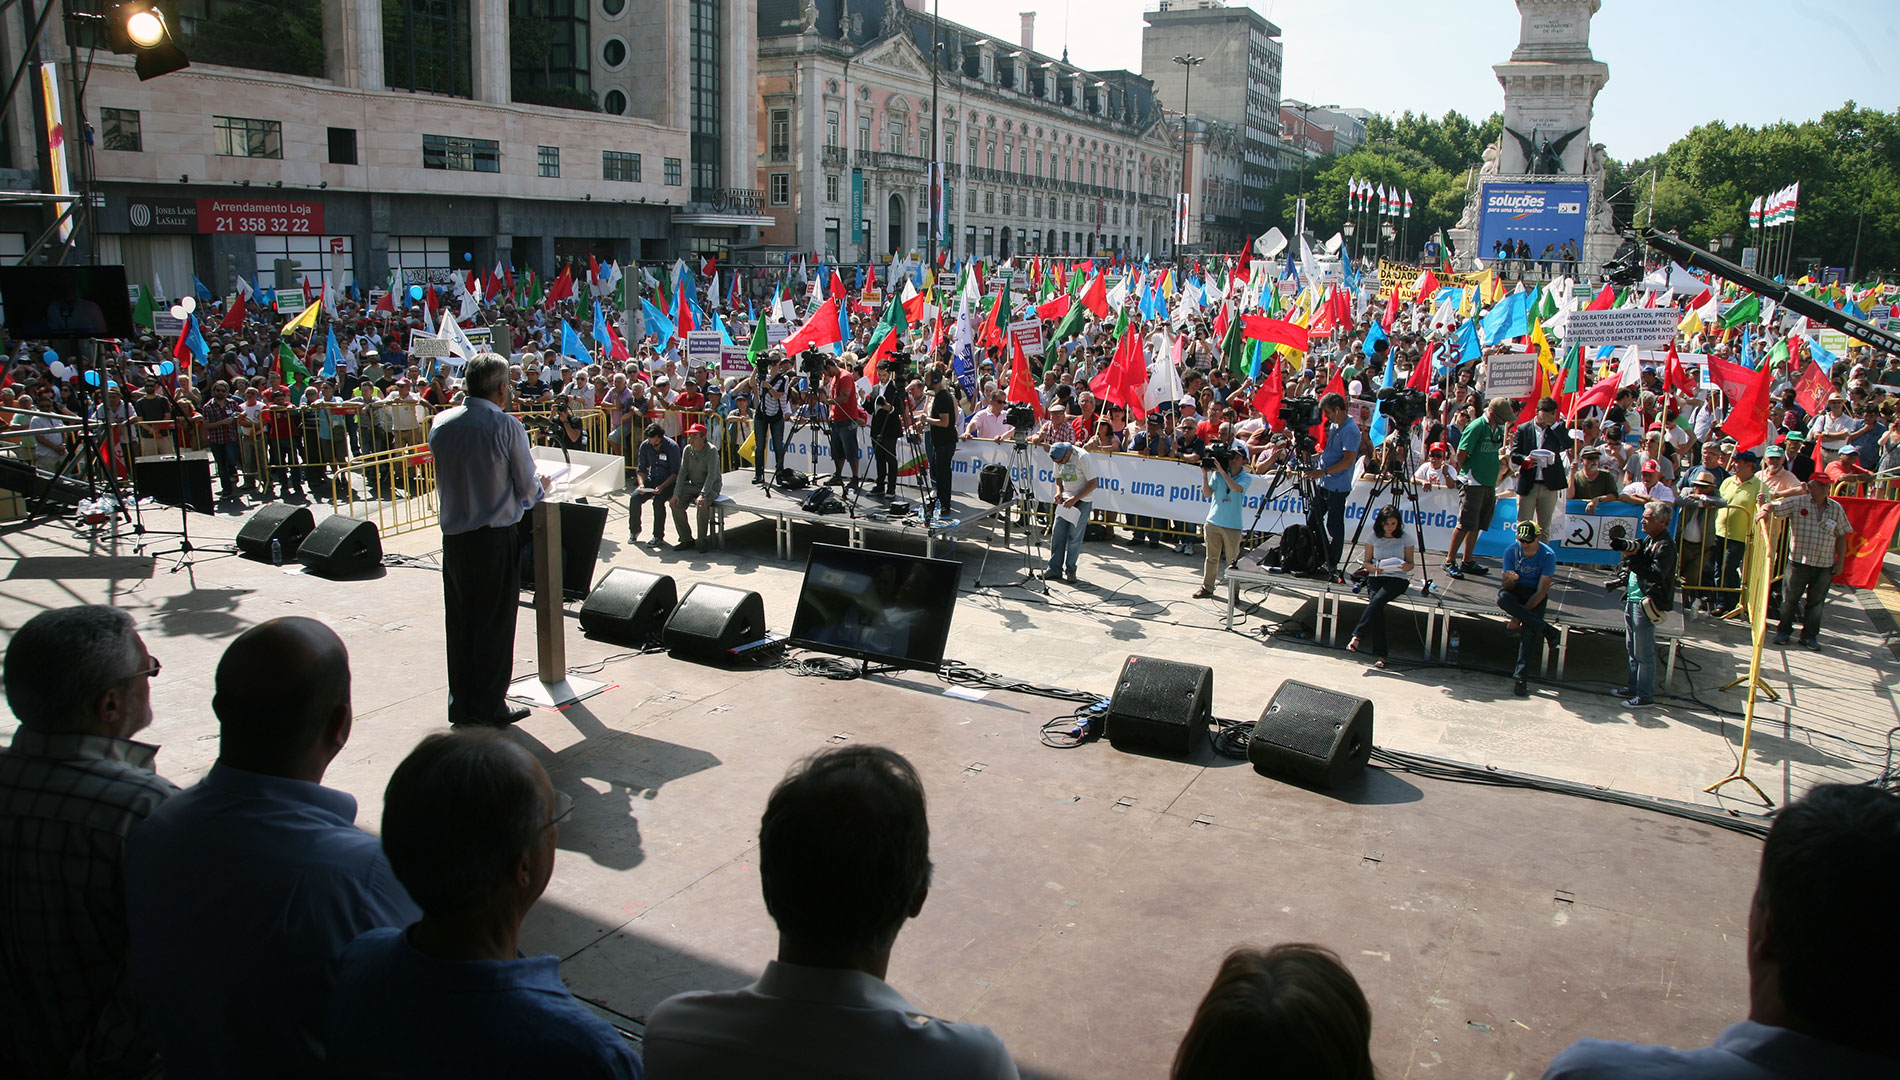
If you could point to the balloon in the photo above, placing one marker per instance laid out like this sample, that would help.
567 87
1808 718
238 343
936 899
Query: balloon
58 369
112 386
415 292
468 256
189 303
49 357
167 368
92 378
179 312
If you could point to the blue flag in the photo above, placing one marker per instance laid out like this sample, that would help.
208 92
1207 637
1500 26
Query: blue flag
331 354
194 340
1373 337
1346 271
1469 348
1509 318
203 293
844 326
1821 353
571 344
600 329
1379 421
658 324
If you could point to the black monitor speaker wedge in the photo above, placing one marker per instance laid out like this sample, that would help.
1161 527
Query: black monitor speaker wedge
629 607
713 620
341 547
1160 706
1312 735
282 522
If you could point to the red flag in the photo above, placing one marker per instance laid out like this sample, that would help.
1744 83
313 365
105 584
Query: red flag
1095 297
1600 394
1747 392
1054 308
1604 300
1422 374
1022 385
1427 286
593 271
682 313
429 300
1125 380
913 304
1391 310
821 329
1811 390
837 286
306 291
618 351
1874 521
1342 308
1529 412
233 315
1267 399
1323 320
1675 376
1274 331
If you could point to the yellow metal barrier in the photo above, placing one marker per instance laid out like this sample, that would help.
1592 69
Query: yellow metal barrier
394 488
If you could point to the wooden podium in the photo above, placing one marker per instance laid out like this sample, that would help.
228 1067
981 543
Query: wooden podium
550 687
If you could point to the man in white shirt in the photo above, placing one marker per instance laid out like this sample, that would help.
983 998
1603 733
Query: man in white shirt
1650 488
991 424
844 861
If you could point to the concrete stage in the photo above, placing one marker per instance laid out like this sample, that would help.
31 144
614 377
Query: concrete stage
1083 897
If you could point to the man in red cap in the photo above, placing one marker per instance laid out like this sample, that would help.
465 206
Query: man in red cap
698 487
1648 489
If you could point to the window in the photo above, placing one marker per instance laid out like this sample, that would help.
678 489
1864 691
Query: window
989 156
970 200
972 161
894 137
616 165
614 103
864 133
549 160
781 135
238 137
342 146
1005 204
121 130
426 47
831 187
672 170
989 202
460 155
707 121
989 241
781 189
831 127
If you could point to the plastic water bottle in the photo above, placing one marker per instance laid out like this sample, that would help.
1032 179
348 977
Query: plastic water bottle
276 552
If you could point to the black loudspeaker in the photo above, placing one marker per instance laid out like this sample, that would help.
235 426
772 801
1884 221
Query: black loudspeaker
286 524
184 480
341 546
1160 705
1312 735
582 526
711 620
993 486
628 607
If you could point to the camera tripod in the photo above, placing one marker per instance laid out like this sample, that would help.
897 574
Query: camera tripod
1022 502
1296 467
1399 482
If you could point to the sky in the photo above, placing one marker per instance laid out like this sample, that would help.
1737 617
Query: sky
1674 64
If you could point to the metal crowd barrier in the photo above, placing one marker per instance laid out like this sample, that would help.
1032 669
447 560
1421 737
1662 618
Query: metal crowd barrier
394 488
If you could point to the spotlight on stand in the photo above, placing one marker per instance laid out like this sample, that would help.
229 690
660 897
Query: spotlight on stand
138 28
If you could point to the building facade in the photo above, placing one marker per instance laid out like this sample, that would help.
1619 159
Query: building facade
1216 185
1038 156
1237 83
357 139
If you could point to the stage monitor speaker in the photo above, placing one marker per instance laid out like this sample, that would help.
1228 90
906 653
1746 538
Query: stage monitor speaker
288 525
1160 705
181 480
341 546
712 620
1312 735
628 607
582 526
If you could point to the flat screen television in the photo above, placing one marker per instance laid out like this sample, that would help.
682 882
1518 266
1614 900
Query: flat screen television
65 302
882 607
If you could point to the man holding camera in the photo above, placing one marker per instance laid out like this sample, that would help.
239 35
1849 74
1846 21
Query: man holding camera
1224 480
1332 475
1647 582
846 415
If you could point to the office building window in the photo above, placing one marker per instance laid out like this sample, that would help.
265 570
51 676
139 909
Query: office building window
894 137
426 46
781 135
831 187
236 136
703 80
548 160
781 189
460 155
672 167
616 165
121 130
342 146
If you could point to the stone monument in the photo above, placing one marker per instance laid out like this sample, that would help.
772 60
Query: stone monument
1550 87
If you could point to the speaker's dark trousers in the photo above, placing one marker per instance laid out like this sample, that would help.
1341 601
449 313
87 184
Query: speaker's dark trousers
481 588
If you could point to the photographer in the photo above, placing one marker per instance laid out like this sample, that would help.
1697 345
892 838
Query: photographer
846 415
887 425
1387 566
1224 481
775 407
1647 582
1333 476
940 442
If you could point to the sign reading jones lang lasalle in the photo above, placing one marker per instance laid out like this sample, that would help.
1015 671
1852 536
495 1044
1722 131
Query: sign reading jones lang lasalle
260 217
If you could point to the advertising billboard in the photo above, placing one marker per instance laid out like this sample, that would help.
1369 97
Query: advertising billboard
1534 214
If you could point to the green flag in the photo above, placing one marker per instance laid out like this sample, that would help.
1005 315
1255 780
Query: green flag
1233 348
1071 323
757 346
1570 380
142 311
1748 310
293 369
1544 306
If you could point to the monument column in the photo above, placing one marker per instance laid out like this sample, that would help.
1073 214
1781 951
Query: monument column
1550 89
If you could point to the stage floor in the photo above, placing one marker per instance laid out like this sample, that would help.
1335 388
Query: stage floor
1082 897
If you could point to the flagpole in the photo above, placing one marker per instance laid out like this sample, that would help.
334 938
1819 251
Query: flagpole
1787 259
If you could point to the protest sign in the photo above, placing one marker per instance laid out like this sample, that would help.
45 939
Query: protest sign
1621 327
1510 375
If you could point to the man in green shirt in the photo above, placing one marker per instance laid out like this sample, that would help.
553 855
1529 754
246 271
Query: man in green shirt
1478 457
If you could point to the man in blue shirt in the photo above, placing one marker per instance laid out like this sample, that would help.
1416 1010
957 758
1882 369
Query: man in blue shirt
1224 481
1821 950
470 825
1333 477
657 469
1529 566
485 480
242 891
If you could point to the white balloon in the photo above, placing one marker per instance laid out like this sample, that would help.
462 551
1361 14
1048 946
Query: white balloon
58 369
189 303
179 312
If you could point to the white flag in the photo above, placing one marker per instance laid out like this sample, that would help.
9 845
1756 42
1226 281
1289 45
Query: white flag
458 341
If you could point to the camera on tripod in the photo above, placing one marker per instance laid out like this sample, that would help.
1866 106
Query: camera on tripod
1402 406
811 363
1022 418
1300 413
1219 454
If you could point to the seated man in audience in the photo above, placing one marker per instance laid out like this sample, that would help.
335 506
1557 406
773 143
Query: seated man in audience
73 786
470 823
1288 1011
242 891
844 861
1822 943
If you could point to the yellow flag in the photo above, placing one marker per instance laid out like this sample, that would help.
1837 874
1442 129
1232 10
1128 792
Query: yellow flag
305 320
1544 358
1468 302
1690 324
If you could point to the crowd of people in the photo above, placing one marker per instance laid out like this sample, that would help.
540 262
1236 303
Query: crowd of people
247 926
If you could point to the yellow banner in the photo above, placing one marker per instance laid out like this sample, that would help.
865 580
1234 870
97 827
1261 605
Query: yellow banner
1398 274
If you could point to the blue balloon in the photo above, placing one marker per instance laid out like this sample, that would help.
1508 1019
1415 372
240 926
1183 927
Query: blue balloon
49 356
167 368
468 256
92 378
112 386
415 292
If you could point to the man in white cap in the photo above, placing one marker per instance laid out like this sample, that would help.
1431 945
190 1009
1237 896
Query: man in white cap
1075 482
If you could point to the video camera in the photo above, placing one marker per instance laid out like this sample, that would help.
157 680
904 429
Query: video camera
1299 414
1221 454
1022 418
811 363
1402 406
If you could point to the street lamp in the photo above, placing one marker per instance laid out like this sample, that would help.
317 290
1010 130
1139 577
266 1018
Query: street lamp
1306 112
1187 81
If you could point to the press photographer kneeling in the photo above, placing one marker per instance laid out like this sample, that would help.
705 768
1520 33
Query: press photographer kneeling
1224 480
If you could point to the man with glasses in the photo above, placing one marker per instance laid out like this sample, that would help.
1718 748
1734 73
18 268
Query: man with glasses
221 416
73 786
1836 427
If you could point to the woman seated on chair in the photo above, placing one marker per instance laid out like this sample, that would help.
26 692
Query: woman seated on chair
1387 562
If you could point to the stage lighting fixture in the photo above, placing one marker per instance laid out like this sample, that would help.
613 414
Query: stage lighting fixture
145 28
138 27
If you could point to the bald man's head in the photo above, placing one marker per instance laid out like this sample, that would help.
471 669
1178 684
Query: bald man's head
283 698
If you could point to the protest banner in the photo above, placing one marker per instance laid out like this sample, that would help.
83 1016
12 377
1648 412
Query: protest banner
733 362
1028 334
1510 375
1621 327
427 346
703 348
